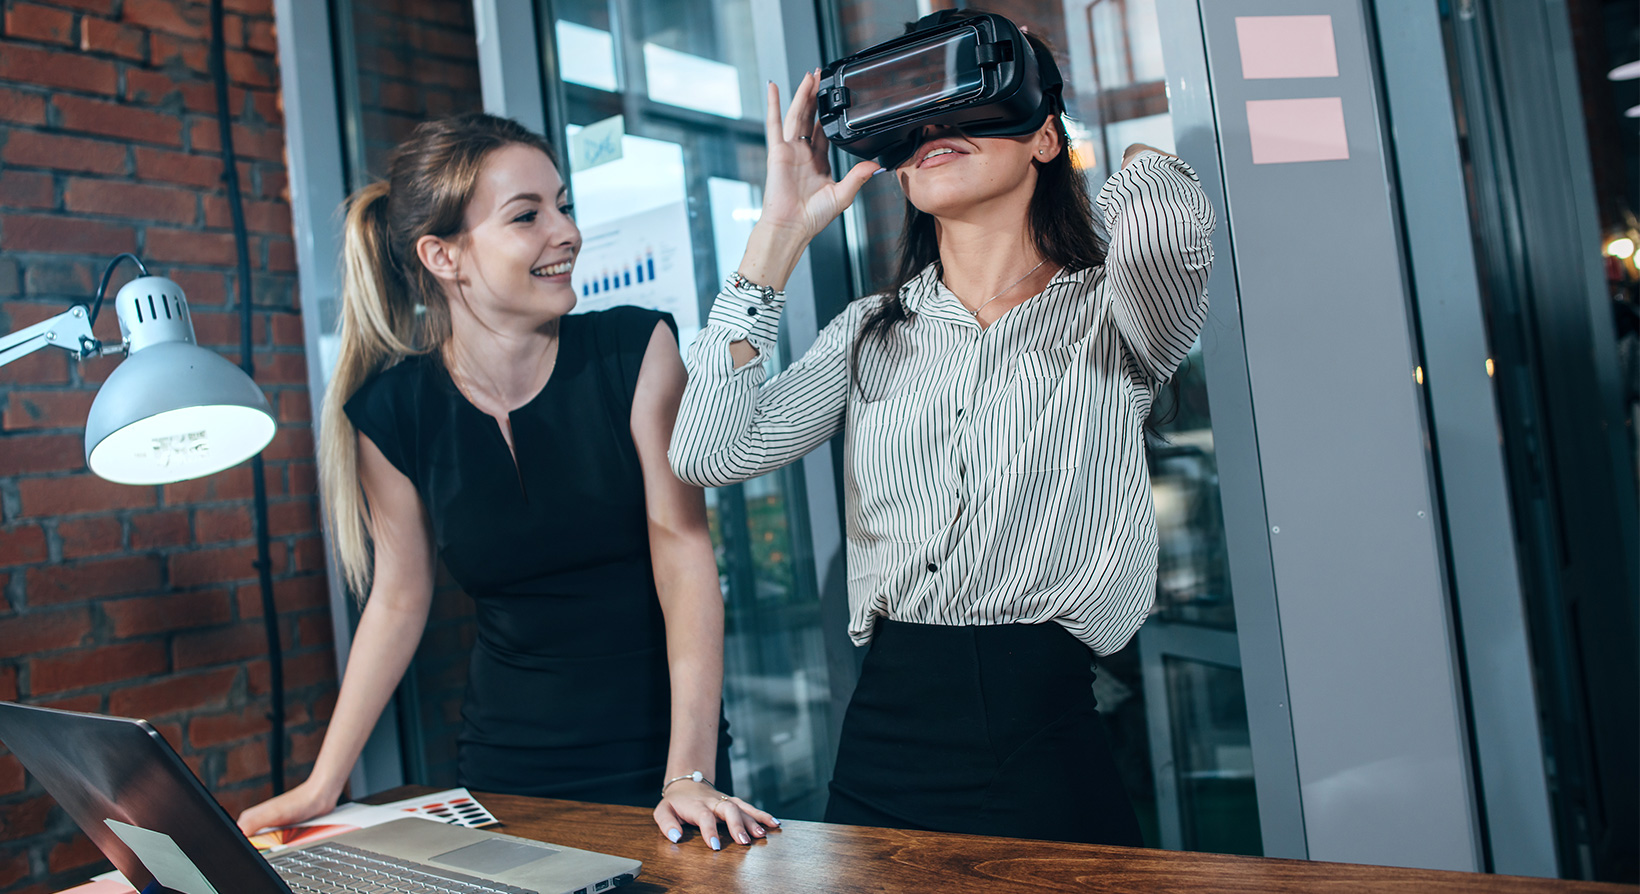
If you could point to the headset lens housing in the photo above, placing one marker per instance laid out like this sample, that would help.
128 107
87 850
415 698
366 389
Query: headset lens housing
904 83
975 72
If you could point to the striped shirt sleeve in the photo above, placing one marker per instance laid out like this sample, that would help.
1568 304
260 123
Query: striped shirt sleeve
732 425
1160 224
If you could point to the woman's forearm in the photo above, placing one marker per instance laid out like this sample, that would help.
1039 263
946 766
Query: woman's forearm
687 581
383 645
772 252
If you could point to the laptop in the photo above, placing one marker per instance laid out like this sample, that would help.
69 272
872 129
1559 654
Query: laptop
130 792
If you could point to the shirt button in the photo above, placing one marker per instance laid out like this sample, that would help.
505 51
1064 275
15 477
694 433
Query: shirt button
751 311
933 567
959 412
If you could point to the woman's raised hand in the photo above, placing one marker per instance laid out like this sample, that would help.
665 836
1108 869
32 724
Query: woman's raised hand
800 197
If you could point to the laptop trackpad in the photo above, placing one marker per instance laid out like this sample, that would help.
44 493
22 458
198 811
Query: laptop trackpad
493 857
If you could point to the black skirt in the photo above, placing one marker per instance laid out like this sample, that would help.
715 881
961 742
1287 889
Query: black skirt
982 730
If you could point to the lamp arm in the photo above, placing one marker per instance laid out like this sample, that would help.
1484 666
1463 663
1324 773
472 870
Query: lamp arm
69 330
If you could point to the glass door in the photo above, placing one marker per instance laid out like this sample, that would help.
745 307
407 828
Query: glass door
1173 699
658 106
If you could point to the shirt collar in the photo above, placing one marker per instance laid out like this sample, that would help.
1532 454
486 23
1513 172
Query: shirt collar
923 289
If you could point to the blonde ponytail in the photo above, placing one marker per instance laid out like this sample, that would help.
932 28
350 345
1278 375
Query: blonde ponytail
370 339
392 306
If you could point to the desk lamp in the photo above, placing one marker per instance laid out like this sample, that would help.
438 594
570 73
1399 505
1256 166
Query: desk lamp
173 410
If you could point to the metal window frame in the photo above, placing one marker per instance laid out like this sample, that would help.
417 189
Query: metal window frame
1370 647
1535 219
315 145
509 61
1235 442
1505 731
1158 641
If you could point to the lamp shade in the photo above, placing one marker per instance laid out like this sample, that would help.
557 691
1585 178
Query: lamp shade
173 410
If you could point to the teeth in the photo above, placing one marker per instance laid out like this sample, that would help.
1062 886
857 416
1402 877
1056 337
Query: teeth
937 152
553 269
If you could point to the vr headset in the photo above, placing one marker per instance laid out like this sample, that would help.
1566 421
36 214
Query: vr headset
977 73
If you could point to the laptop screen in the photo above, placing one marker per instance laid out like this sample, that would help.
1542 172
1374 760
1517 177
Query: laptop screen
130 793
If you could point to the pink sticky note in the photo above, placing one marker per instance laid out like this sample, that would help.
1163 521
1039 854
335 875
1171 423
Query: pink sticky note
1287 47
1287 130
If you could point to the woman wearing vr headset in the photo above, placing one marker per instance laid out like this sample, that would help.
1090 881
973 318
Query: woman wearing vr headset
473 420
1001 532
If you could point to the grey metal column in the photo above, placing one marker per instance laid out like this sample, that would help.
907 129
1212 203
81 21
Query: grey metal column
1235 442
1474 482
313 141
509 61
1365 624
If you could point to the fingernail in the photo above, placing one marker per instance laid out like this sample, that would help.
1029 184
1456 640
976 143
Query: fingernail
716 845
743 839
762 831
775 821
674 834
878 171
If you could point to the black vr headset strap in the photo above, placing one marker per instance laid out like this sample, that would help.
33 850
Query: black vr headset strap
1047 72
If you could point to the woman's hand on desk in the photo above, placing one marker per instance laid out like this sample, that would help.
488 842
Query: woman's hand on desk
303 802
699 804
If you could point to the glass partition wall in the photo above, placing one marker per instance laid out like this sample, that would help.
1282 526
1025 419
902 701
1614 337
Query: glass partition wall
399 63
1173 698
656 110
659 107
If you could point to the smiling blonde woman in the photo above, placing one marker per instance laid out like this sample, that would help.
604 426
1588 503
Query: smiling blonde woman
472 420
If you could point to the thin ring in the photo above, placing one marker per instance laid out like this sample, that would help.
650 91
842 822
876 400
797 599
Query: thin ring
806 139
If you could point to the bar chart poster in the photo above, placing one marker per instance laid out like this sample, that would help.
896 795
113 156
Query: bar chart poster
643 259
634 219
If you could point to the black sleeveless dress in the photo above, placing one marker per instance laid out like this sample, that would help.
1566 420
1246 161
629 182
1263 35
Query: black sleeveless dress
568 693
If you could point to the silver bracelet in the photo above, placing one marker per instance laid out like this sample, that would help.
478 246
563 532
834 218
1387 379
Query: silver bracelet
696 776
765 294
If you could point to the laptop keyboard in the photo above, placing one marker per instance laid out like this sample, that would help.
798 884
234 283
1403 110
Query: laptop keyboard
339 869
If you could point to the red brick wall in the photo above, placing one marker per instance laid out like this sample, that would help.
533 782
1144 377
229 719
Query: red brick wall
416 60
142 600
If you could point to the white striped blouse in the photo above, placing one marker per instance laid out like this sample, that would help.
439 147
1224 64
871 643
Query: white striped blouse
992 476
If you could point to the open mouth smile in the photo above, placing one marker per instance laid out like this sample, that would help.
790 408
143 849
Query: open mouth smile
936 149
558 269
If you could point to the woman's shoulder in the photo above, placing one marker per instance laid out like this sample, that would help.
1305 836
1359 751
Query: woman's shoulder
393 383
386 408
626 322
618 337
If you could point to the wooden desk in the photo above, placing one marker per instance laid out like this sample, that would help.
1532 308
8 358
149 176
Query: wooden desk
826 859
